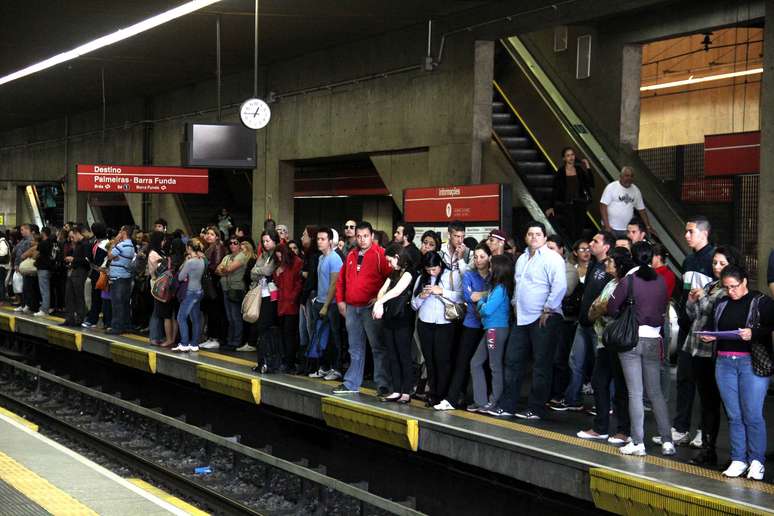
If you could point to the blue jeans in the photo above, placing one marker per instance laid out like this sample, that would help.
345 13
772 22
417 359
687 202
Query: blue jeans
234 318
120 296
360 324
539 343
190 307
44 284
156 326
743 394
583 346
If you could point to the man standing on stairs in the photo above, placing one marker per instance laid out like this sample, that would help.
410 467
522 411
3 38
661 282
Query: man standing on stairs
618 202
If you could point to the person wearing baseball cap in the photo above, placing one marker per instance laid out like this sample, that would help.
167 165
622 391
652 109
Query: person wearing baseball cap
496 241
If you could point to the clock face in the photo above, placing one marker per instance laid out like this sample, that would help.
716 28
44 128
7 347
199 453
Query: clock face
255 113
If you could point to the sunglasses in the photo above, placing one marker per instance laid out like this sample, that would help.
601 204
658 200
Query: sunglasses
234 242
349 227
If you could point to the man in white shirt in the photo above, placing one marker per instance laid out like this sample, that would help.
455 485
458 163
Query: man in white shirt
618 202
455 254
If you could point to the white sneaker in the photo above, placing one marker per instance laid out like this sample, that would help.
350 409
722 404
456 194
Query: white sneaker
593 437
210 344
756 471
39 313
668 449
27 310
181 348
193 348
332 375
20 309
246 347
444 405
319 374
617 440
633 449
736 469
697 441
677 437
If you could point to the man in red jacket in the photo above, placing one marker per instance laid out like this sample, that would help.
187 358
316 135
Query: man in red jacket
362 275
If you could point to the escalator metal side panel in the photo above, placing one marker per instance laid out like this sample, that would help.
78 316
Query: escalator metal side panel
664 219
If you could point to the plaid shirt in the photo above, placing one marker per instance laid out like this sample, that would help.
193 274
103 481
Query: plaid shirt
701 312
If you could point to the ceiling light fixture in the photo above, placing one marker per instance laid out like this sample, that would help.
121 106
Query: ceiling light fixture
110 39
697 80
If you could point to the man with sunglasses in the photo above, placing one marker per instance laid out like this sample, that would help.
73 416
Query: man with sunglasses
350 240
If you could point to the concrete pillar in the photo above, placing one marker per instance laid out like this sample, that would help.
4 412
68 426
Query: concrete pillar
483 74
630 96
766 185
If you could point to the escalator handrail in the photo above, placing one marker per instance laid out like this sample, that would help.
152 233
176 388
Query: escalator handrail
534 140
609 170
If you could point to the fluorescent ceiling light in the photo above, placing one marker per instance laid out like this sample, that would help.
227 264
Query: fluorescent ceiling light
697 80
109 39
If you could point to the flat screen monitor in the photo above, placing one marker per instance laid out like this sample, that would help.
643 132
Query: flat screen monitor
219 146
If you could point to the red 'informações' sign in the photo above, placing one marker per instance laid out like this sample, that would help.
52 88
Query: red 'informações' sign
471 203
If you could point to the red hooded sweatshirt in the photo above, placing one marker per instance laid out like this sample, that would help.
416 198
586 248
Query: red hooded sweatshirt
358 288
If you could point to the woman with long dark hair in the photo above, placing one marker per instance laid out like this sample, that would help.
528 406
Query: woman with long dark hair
287 277
495 309
572 194
261 277
642 365
743 369
214 310
191 275
434 289
392 307
700 308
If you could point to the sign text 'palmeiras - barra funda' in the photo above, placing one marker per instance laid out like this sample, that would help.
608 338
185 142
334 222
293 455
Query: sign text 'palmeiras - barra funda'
128 179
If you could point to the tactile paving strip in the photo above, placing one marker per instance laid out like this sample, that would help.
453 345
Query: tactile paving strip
14 503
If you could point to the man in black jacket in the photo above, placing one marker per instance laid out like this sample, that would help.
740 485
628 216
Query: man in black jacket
77 270
585 342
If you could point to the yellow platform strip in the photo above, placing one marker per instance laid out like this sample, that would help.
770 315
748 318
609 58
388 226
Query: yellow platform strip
65 338
29 424
621 493
227 358
8 323
231 383
39 490
55 318
604 447
138 338
382 425
163 495
132 356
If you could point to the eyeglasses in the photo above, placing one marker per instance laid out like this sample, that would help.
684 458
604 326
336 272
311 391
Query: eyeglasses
732 287
584 250
349 227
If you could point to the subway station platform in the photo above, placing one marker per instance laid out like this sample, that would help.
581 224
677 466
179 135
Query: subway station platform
544 453
39 476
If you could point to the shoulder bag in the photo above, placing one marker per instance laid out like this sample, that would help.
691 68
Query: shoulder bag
760 352
27 267
623 333
251 305
452 311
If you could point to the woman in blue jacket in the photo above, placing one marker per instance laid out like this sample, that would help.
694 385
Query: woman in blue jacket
494 309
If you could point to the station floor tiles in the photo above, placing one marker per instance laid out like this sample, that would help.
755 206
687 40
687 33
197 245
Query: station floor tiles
40 476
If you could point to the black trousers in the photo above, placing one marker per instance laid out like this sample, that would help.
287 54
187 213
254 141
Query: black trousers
266 319
96 304
288 325
686 390
397 340
437 342
709 395
217 324
607 368
31 293
469 340
75 302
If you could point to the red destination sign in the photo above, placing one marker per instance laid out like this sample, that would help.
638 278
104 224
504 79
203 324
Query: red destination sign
732 154
124 179
472 203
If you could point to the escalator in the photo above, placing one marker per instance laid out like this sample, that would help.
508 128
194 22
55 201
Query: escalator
532 121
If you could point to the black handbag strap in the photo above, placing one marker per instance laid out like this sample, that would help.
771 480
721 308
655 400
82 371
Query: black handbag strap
630 290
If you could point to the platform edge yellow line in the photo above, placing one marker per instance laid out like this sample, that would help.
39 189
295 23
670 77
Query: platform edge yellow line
170 499
230 383
385 426
11 415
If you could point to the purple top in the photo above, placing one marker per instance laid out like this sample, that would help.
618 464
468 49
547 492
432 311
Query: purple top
649 299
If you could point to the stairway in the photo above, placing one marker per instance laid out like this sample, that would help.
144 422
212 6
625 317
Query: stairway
227 189
529 163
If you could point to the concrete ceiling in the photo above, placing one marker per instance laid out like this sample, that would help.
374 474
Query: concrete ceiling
178 53
183 51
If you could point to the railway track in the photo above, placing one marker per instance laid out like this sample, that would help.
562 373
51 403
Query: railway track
216 472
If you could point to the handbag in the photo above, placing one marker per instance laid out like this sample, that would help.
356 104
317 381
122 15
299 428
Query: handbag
17 281
397 307
623 333
760 352
209 291
102 281
251 305
27 267
452 311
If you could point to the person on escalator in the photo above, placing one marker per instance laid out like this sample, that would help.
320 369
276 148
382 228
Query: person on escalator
572 193
618 202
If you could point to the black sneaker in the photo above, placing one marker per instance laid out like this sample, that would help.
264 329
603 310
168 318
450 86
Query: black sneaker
564 406
498 412
527 414
343 389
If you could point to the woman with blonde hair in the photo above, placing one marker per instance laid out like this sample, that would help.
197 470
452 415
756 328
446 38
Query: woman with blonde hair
190 278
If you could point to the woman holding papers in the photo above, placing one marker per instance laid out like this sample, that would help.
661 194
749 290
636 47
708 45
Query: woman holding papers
700 305
743 368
